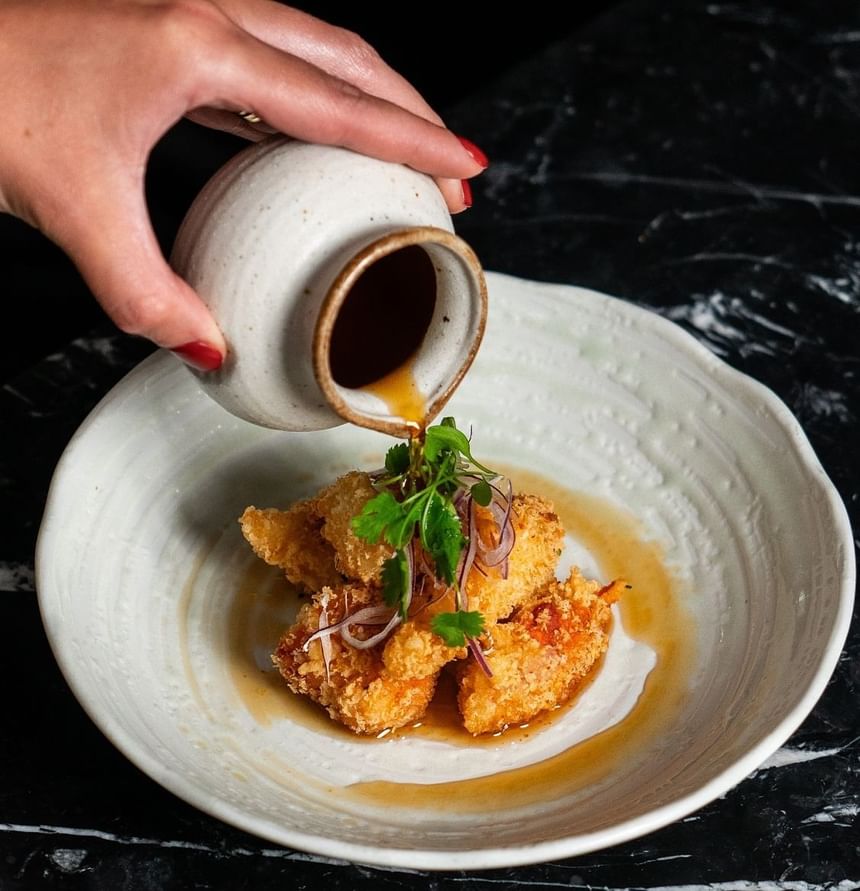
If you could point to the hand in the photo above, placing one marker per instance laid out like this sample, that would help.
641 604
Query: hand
89 86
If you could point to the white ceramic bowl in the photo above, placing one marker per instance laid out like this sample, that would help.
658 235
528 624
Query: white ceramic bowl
140 558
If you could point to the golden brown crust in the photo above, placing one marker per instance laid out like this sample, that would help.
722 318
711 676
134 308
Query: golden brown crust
531 564
415 651
356 690
538 657
337 505
546 634
291 540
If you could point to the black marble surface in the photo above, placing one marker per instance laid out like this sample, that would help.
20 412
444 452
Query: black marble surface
696 158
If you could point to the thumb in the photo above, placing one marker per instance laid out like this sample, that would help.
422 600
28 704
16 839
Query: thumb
111 241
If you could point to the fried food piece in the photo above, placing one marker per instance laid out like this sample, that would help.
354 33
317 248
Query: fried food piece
414 651
356 688
531 564
291 540
539 656
337 505
313 541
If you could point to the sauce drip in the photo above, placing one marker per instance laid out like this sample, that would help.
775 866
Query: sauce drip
652 612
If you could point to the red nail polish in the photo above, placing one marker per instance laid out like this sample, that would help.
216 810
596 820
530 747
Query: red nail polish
200 355
475 152
467 192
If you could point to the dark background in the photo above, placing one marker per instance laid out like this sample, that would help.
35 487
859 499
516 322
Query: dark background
697 158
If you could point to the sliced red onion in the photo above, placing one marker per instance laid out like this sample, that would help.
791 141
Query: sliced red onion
369 615
500 507
478 653
359 644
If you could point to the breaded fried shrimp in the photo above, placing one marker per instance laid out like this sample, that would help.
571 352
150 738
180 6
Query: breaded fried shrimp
291 540
355 688
414 651
337 505
539 656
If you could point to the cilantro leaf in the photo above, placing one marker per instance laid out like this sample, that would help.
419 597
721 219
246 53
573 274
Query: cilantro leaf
482 493
381 511
441 437
397 459
395 582
454 628
399 532
442 536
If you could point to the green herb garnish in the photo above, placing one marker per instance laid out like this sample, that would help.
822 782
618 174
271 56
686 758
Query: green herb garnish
454 628
415 497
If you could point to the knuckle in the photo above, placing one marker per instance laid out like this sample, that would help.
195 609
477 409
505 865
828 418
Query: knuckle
359 55
185 23
142 314
346 103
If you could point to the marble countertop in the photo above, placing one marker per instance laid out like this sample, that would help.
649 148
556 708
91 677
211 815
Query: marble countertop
699 159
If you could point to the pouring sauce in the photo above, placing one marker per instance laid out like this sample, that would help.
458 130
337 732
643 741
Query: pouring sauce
399 391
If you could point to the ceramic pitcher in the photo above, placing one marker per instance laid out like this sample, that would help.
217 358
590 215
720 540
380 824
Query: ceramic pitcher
327 271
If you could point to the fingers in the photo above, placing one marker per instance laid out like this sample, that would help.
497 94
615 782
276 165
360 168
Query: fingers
110 240
335 50
346 56
302 100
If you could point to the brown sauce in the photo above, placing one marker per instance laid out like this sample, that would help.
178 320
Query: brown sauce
400 393
652 612
384 318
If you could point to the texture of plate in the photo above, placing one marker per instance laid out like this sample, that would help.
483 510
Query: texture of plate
139 560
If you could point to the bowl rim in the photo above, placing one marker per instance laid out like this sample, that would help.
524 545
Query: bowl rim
430 859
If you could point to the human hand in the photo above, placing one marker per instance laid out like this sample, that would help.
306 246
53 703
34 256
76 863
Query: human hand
89 86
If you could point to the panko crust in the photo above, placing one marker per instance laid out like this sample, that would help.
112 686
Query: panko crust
357 689
546 635
337 505
415 651
539 656
531 565
291 540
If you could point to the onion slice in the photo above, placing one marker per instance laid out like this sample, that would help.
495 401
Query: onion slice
369 615
501 507
478 653
360 644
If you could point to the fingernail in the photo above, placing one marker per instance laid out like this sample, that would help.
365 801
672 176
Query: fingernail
467 192
475 152
200 355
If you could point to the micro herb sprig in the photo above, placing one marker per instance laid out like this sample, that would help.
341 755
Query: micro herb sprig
416 497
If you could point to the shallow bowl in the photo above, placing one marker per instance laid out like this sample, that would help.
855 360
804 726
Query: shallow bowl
141 571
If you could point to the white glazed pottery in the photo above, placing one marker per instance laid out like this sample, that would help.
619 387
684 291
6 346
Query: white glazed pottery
276 242
140 559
